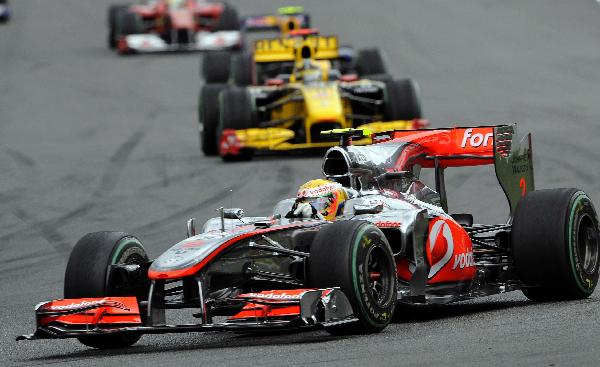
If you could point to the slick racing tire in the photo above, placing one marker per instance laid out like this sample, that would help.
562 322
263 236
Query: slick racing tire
4 18
229 19
113 13
370 61
87 275
236 112
242 69
555 244
402 102
356 256
208 117
216 66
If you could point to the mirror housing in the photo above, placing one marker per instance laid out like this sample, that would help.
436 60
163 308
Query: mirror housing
233 213
368 208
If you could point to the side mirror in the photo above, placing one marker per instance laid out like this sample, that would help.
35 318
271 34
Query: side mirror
191 227
233 213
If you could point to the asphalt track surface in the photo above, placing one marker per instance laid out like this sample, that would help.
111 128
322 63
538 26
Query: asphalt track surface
93 141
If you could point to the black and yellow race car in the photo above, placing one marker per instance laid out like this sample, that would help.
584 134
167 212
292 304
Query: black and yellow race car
283 94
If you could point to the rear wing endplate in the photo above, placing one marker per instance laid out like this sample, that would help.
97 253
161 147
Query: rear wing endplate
513 165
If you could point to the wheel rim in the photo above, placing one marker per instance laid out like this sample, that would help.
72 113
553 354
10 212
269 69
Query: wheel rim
133 259
587 245
379 275
130 256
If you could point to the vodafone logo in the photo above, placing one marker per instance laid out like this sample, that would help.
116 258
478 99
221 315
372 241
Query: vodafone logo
462 261
318 191
476 140
273 295
91 304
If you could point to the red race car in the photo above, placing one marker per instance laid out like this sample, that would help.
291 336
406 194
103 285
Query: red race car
341 254
173 25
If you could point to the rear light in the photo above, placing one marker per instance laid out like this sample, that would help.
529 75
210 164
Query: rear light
349 78
274 82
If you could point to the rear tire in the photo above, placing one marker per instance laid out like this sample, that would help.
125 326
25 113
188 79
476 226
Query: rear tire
128 23
403 102
242 69
236 112
216 66
358 246
208 117
555 244
87 275
113 13
370 61
228 20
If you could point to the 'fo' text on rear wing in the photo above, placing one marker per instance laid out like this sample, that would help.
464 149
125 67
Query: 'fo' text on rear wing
471 146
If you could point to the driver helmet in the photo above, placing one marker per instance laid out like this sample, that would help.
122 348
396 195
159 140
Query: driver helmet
326 197
309 71
176 4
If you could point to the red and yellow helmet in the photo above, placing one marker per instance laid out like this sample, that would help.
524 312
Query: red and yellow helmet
326 197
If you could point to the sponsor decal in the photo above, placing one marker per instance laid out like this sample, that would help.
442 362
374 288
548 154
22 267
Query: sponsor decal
380 138
90 304
388 224
476 140
318 191
440 231
271 295
464 260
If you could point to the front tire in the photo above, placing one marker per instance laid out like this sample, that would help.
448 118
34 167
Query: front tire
242 69
555 243
113 14
370 61
363 267
208 118
229 19
216 66
87 275
236 112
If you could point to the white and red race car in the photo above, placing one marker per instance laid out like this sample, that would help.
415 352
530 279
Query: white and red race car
173 25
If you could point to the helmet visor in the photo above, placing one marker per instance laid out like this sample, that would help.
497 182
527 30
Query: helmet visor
320 203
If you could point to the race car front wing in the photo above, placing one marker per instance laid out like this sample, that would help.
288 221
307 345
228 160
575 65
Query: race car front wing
298 309
202 41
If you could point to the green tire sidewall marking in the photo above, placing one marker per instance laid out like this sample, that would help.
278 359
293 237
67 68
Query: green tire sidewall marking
357 291
579 196
123 242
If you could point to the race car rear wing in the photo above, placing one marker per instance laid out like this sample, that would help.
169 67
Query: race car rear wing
287 19
284 49
471 146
